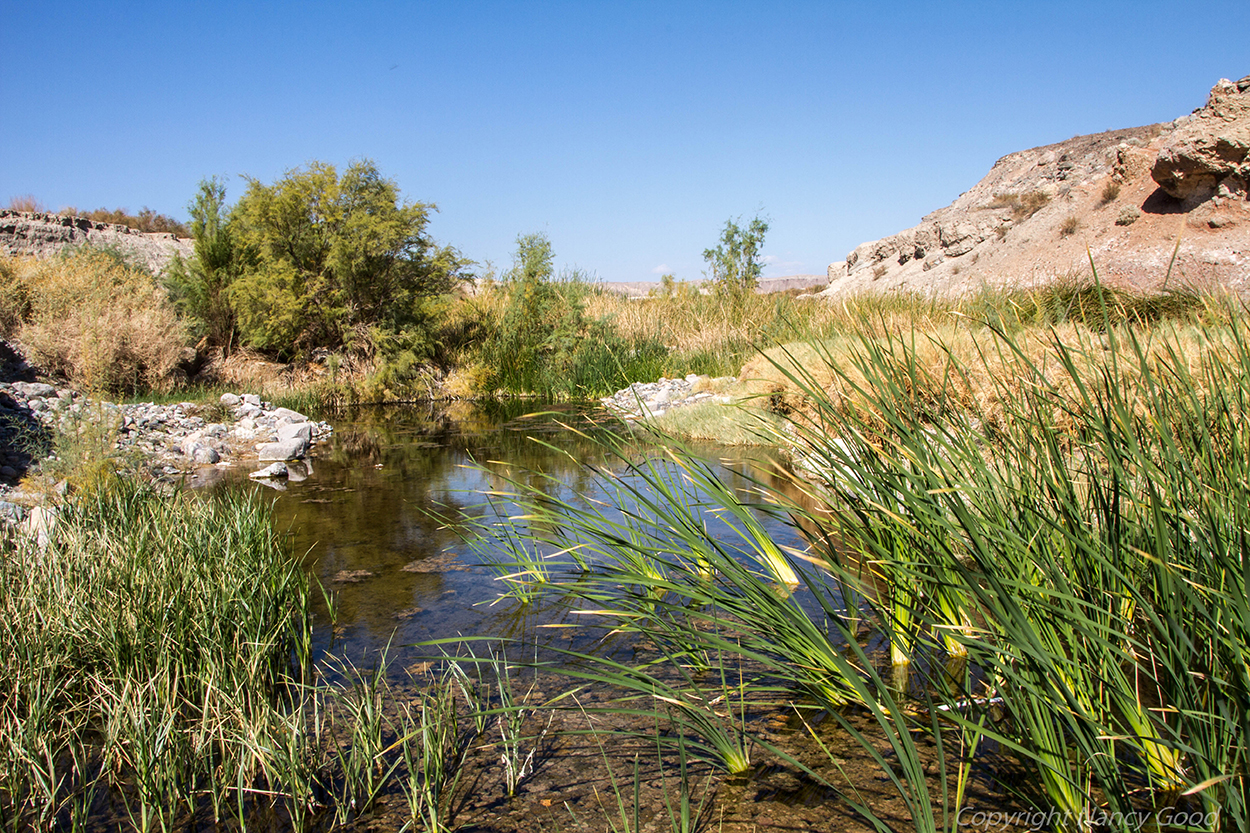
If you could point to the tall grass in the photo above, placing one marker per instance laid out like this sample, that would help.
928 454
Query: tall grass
542 337
91 317
1060 563
141 641
1109 500
159 675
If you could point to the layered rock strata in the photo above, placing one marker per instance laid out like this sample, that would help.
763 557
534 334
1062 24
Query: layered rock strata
41 235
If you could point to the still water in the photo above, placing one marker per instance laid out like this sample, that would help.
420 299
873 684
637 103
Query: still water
367 516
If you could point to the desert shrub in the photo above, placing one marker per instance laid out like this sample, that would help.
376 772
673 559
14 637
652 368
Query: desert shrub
99 321
14 296
1069 226
1110 192
146 220
26 202
1128 215
1023 205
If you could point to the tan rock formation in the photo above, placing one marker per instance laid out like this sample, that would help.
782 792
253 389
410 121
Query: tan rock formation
1210 153
1124 198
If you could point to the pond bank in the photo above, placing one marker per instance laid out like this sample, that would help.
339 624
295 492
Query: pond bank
46 431
653 399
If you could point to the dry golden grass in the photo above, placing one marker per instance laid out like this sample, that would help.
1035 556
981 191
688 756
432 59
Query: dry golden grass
717 325
248 371
93 319
698 323
954 368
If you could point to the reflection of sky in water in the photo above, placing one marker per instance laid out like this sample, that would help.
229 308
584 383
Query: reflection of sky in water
367 504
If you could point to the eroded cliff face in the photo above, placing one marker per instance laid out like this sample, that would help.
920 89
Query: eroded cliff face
38 234
1123 198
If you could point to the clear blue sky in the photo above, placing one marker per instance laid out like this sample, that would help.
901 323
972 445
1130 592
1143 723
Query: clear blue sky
627 132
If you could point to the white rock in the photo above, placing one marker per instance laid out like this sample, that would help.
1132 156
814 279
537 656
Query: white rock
288 415
283 450
275 470
39 524
296 431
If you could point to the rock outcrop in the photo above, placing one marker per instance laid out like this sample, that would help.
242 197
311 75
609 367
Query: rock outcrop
1124 198
39 234
1210 154
168 441
652 399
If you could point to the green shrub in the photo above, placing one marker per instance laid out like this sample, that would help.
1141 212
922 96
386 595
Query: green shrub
315 260
734 266
200 287
542 341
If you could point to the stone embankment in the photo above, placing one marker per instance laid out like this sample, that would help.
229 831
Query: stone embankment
653 399
170 442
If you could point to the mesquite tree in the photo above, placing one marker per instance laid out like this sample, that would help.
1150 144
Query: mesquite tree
734 266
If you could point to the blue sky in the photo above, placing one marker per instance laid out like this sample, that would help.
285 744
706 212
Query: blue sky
627 132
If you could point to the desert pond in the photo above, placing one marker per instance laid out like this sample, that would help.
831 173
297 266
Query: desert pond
367 517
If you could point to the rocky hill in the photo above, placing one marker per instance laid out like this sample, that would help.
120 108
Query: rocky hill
39 234
1130 198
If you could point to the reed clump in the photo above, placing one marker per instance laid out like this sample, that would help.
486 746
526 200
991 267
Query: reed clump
159 675
1070 585
143 641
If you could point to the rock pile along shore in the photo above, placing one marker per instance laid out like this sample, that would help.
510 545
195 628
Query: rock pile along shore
167 440
653 399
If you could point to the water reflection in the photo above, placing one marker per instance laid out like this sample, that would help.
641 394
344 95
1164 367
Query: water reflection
364 516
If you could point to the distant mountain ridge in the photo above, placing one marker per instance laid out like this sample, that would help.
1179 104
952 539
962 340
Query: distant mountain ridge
641 289
1123 198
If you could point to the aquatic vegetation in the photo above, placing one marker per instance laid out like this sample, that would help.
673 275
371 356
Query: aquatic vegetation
1079 553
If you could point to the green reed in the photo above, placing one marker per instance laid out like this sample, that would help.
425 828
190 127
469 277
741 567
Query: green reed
146 635
1066 575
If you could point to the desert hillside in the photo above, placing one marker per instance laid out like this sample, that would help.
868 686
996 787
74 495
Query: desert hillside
1126 198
